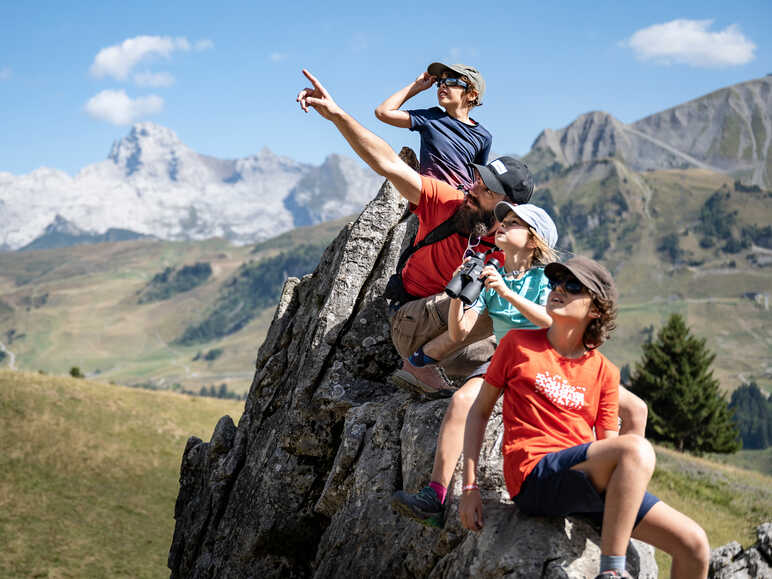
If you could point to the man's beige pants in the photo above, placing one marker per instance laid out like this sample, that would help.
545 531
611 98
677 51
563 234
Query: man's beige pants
419 321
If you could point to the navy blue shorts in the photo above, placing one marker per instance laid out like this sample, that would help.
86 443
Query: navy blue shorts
554 490
480 371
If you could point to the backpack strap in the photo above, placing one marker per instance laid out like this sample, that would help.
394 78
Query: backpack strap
442 231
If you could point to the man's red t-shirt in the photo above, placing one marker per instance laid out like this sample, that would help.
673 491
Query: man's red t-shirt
550 402
429 269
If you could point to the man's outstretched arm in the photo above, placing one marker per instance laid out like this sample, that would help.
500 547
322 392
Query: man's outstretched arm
371 148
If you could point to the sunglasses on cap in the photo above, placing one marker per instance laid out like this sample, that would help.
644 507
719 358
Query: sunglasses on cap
452 82
572 285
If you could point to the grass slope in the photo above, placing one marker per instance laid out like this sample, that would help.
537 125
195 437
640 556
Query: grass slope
727 501
89 474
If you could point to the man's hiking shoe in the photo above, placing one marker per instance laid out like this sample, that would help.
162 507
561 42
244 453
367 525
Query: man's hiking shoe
611 574
427 380
424 506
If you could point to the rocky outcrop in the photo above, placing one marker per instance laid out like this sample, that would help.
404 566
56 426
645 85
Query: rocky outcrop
733 562
301 487
729 130
598 135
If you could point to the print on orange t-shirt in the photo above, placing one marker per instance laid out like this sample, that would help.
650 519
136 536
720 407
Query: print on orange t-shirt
428 271
550 402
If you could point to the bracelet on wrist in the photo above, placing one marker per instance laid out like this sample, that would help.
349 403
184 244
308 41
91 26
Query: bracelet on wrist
472 487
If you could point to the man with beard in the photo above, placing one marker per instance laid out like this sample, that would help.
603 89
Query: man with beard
419 326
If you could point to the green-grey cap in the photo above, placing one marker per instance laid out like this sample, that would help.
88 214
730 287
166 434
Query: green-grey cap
589 272
437 68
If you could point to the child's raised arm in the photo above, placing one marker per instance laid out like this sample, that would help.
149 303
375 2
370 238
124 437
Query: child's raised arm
460 322
389 110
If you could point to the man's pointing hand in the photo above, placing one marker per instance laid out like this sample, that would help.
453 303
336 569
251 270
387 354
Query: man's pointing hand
317 98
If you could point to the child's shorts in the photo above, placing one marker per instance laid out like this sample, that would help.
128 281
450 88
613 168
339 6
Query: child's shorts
553 489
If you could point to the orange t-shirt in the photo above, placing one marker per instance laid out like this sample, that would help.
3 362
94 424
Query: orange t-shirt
429 269
550 402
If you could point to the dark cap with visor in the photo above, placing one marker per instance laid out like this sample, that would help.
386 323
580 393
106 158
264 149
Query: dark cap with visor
590 273
507 176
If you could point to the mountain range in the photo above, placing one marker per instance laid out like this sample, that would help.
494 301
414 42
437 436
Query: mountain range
727 131
153 184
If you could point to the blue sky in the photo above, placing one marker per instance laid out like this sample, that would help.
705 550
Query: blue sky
223 76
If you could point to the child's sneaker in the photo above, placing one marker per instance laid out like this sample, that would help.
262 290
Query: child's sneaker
611 574
424 506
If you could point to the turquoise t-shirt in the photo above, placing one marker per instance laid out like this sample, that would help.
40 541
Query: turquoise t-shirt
532 286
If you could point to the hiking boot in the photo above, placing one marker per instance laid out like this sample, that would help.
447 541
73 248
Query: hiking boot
427 380
424 506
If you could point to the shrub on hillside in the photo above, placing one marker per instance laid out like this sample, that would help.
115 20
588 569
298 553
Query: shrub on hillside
213 354
753 416
761 236
173 281
675 379
670 247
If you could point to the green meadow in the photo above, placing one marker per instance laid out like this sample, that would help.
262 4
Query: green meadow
89 474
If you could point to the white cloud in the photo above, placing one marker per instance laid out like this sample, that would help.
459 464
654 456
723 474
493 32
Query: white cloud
5 73
116 107
153 79
117 61
277 56
691 42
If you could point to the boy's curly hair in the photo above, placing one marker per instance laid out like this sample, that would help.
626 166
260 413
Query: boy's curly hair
475 102
599 329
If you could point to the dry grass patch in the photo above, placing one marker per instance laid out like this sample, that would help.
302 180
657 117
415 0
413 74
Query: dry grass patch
728 502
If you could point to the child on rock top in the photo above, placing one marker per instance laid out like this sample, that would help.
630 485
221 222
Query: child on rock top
450 138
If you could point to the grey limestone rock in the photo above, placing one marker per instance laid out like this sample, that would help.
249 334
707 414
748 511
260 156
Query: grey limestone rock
731 561
302 487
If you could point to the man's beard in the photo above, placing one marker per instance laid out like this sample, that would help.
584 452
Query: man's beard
472 219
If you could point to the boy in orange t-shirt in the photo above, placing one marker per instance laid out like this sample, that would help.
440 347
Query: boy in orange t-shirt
557 388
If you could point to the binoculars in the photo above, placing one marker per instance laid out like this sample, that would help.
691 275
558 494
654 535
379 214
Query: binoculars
466 285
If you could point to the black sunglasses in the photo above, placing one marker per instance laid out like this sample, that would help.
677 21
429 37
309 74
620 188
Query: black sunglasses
573 286
452 82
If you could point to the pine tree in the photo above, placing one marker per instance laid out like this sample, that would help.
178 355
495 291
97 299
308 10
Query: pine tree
686 407
753 415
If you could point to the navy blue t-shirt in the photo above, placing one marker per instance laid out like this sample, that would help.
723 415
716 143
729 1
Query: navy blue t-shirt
448 145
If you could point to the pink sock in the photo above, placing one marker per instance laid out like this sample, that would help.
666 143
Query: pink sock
440 490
